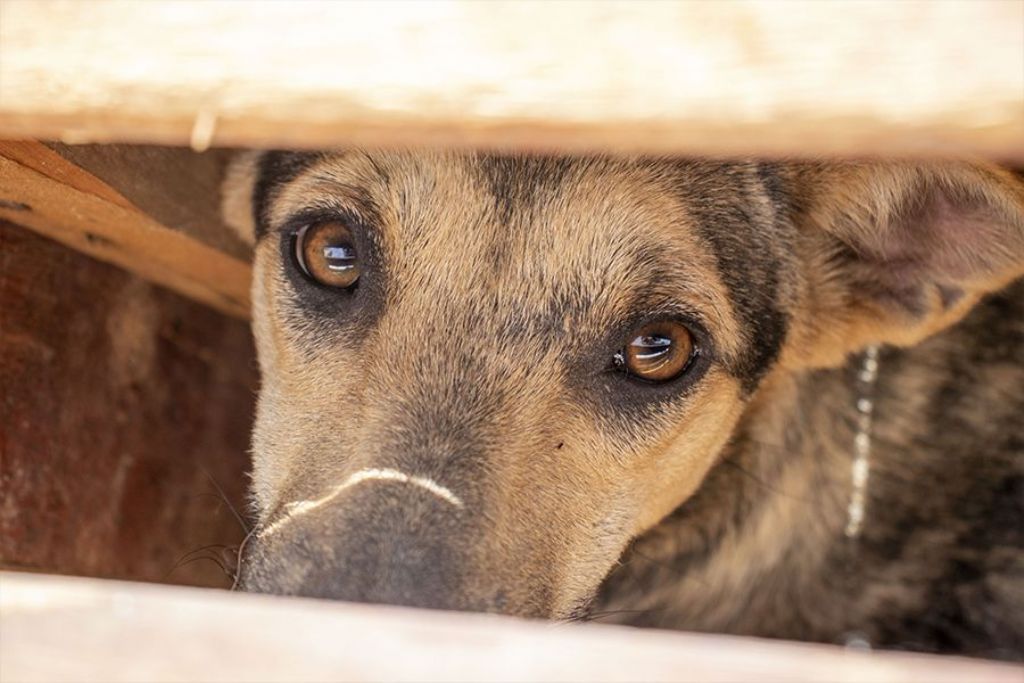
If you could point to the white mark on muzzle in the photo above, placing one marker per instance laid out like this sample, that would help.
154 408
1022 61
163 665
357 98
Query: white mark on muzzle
293 510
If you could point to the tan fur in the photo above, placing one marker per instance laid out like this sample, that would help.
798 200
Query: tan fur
562 487
236 201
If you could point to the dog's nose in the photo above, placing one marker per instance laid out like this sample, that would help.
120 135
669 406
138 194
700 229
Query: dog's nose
383 537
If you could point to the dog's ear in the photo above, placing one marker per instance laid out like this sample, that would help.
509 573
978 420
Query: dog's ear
237 189
896 252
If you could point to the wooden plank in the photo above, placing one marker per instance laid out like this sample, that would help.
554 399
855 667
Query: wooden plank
174 186
807 77
42 190
120 401
78 630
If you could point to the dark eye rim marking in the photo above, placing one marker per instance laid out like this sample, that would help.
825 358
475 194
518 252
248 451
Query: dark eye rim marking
294 227
311 306
695 332
624 403
348 255
643 390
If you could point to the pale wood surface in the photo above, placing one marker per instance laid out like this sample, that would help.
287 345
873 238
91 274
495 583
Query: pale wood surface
63 629
801 77
44 191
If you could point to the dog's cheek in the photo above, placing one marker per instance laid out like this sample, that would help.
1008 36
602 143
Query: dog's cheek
268 331
269 470
591 558
271 457
290 404
674 468
621 490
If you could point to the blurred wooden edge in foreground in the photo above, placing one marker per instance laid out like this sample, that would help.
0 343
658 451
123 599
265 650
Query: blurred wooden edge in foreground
63 629
730 78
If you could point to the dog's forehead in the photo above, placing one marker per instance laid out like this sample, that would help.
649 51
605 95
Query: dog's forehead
596 238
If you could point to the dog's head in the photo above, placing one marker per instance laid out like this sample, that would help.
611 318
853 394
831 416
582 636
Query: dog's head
483 376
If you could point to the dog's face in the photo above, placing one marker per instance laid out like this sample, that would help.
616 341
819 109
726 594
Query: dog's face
483 376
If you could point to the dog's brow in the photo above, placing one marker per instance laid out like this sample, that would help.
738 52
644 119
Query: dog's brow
293 510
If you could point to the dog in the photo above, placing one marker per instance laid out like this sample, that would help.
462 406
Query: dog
779 399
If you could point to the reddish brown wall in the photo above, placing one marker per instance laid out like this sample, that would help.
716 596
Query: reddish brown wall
114 397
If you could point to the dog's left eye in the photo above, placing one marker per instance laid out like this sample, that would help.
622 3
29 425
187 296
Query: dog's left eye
326 253
658 352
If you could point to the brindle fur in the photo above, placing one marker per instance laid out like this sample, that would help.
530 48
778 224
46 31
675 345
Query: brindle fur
476 350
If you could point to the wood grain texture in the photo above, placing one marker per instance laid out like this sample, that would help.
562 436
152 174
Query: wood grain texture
116 396
42 190
78 630
802 77
176 187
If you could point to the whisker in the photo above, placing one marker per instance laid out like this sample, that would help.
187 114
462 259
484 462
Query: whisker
210 558
205 494
763 484
241 554
223 567
661 563
184 559
594 616
241 521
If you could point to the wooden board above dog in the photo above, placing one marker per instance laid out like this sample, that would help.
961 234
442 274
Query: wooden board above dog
701 78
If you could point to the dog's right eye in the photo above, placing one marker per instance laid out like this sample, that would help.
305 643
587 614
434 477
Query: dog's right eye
659 352
326 253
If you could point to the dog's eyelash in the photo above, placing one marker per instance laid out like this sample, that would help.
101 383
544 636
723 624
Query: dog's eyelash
326 214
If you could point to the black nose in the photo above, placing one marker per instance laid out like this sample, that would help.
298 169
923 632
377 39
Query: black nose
381 543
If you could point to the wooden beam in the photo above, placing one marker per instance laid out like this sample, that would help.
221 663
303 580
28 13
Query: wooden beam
42 190
808 77
57 629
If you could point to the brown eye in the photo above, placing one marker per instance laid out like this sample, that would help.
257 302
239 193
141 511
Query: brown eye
660 351
326 253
